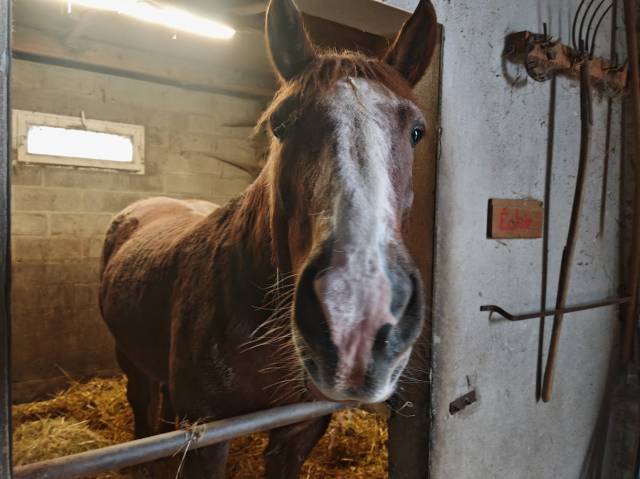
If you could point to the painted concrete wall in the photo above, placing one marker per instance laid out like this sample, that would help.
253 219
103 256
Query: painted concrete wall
60 214
494 139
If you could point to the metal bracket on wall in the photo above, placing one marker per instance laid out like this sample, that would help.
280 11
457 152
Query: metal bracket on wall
571 309
543 57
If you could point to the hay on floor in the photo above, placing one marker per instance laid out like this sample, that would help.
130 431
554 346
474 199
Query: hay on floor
96 414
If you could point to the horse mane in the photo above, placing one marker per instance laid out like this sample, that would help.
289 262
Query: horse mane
244 220
328 68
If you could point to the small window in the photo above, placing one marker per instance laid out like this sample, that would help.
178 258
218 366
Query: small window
76 141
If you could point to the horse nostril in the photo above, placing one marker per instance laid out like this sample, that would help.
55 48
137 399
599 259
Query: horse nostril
311 366
403 290
382 338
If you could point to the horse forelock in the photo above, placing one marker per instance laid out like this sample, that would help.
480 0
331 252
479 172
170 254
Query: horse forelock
323 74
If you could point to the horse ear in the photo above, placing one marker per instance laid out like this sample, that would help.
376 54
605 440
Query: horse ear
289 46
414 46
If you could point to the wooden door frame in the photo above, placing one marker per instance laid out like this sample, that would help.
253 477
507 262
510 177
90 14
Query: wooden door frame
410 422
5 240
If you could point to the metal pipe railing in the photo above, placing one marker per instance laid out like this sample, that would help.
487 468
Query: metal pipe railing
161 446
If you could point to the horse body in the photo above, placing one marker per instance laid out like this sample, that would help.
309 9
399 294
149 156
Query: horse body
180 290
302 287
139 265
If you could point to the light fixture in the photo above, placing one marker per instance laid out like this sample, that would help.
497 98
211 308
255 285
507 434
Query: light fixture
152 12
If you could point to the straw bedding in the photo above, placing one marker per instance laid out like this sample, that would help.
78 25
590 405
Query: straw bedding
96 414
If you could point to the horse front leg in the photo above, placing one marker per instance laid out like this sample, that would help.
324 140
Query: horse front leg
290 446
206 463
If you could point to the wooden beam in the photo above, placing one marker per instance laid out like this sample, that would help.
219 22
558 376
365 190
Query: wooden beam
252 8
375 17
325 34
329 34
84 23
40 45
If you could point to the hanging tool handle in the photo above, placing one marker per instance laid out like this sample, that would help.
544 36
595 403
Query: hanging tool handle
586 123
550 371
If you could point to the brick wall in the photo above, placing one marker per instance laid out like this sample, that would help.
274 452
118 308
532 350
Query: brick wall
60 214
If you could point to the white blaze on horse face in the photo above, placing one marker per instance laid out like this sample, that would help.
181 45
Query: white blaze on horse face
355 292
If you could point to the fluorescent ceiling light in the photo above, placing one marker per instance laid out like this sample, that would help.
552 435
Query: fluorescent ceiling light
164 15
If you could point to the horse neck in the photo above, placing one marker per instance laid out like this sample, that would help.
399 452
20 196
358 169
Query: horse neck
243 234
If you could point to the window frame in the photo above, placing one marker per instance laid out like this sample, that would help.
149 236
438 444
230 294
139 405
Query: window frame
23 119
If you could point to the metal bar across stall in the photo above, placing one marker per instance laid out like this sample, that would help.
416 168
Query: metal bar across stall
174 443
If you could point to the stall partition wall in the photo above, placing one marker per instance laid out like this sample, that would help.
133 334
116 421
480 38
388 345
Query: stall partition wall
494 145
5 263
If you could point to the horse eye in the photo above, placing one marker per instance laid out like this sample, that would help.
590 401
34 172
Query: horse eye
417 134
279 124
280 130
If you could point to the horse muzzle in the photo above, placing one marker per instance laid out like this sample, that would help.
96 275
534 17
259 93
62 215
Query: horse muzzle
354 327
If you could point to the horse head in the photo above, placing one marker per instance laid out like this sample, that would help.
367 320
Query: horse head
345 127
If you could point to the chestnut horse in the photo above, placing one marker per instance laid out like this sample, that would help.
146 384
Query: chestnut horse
301 288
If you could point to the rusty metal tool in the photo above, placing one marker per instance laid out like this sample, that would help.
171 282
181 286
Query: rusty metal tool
586 48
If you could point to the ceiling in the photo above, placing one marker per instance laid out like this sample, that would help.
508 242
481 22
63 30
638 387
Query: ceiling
52 16
361 24
372 16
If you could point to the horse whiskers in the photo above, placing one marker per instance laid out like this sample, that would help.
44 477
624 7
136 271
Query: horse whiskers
282 309
278 310
413 379
282 382
277 284
399 411
282 363
278 320
283 389
274 308
294 393
275 332
268 333
283 347
263 342
285 354
277 302
278 317
408 380
414 370
265 339
267 342
287 368
274 367
275 337
292 383
279 290
288 361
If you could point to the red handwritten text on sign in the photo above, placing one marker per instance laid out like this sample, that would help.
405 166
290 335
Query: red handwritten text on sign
513 219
